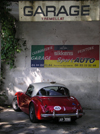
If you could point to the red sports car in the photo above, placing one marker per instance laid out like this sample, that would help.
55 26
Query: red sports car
48 100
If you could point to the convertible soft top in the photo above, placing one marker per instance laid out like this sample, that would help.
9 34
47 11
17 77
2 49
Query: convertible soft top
38 86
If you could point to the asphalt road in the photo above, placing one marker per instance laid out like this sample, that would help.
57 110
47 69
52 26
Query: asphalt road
12 122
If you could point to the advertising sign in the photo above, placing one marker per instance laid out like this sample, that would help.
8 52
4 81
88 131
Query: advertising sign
65 56
69 10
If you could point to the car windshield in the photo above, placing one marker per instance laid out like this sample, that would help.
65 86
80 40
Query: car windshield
54 91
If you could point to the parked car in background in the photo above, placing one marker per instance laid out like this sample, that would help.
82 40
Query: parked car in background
48 100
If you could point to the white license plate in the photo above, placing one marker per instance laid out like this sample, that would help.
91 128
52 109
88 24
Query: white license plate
65 119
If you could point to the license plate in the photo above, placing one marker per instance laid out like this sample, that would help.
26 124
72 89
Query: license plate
64 119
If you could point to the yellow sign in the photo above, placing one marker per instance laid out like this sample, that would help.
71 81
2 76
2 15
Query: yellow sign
70 64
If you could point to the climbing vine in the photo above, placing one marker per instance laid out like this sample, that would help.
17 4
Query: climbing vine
10 45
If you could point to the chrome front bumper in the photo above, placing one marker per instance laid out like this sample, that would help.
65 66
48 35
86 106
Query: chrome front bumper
77 114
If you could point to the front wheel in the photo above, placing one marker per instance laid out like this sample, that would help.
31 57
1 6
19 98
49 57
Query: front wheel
15 104
32 115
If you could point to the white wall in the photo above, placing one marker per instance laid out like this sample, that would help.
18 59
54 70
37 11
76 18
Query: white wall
84 83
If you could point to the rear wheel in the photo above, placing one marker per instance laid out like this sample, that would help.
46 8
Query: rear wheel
15 104
32 115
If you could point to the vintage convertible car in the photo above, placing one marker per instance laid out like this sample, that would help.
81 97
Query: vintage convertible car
48 100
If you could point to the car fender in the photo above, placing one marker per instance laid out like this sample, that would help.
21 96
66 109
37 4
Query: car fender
38 107
77 102
18 94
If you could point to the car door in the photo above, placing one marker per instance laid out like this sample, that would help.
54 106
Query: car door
27 98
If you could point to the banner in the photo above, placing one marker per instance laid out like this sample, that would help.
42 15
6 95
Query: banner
65 56
74 10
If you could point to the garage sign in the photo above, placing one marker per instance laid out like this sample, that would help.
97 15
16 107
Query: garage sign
65 56
74 10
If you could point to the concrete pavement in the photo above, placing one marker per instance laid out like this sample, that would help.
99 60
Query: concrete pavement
18 123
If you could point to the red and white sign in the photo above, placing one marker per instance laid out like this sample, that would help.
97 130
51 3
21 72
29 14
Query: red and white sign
65 56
